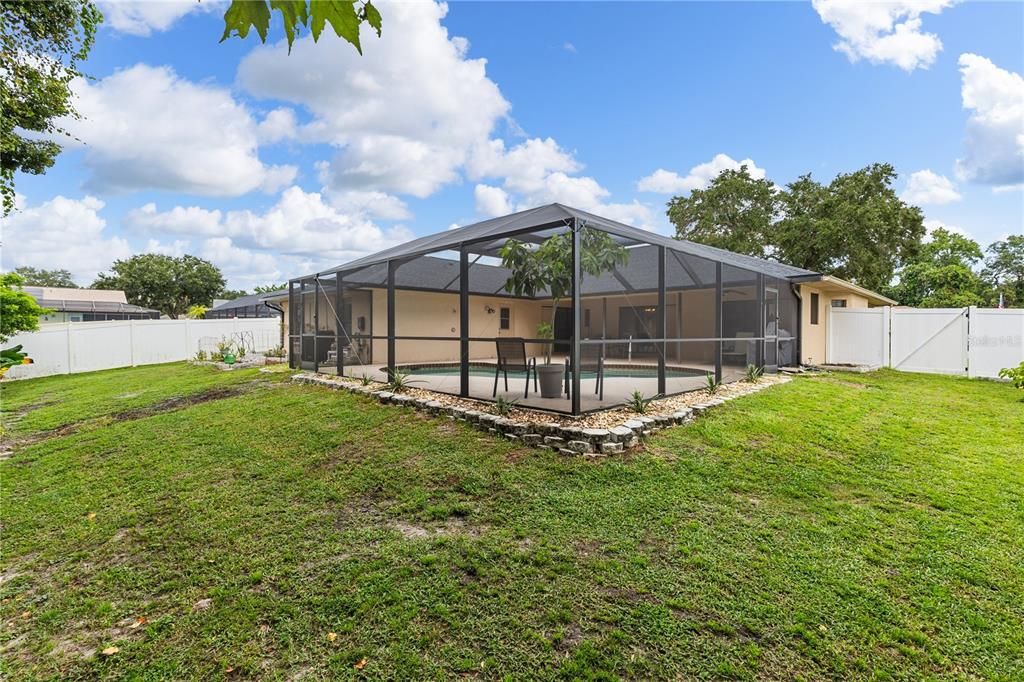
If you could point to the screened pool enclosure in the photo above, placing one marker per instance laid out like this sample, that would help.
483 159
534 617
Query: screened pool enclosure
560 309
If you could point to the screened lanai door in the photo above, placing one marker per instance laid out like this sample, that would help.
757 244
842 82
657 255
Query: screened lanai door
771 329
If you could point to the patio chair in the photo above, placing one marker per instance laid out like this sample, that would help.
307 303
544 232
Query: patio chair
512 357
591 360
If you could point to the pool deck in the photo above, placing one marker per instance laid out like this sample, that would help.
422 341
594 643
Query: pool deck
616 389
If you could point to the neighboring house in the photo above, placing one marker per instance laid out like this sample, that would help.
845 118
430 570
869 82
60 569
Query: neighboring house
673 313
87 305
246 306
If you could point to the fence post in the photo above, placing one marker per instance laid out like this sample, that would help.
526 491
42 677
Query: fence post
67 332
887 337
971 311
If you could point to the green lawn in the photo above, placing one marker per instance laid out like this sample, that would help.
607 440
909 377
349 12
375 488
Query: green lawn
845 526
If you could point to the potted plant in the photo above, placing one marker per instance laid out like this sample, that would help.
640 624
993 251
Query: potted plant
547 268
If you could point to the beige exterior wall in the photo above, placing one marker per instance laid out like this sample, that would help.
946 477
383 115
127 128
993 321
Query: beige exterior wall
814 336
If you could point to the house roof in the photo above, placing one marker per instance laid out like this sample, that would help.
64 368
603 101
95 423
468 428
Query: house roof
250 300
67 300
486 237
830 283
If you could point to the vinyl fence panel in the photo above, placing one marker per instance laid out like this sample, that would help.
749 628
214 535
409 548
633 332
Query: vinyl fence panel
996 340
858 336
73 347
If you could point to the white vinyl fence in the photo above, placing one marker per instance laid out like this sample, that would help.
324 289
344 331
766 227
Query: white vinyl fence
72 347
976 342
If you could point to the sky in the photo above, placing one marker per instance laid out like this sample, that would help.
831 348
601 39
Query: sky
273 165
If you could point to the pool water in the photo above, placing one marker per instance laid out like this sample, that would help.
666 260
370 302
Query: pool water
610 371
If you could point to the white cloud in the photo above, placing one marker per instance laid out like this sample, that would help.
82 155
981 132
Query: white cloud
61 233
143 17
491 201
927 187
537 171
994 153
569 47
369 203
279 124
301 232
191 220
931 224
883 31
700 176
146 128
404 117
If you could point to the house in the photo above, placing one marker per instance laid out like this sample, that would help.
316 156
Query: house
87 305
660 319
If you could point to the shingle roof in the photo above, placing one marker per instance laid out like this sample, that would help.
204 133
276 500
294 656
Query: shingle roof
247 301
553 217
70 306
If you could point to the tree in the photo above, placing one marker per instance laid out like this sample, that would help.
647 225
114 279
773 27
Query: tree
168 284
19 312
1004 270
345 17
735 212
855 228
269 288
196 312
942 275
41 46
231 294
46 278
548 267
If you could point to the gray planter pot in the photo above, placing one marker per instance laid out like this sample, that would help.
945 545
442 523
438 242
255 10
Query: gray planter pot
550 377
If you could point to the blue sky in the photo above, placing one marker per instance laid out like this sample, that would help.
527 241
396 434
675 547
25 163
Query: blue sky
273 165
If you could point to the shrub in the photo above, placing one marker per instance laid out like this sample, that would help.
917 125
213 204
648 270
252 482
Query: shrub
638 403
365 379
1014 374
754 373
276 352
223 348
400 381
712 383
503 406
201 355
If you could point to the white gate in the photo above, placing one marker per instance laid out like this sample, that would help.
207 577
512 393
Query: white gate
929 340
977 342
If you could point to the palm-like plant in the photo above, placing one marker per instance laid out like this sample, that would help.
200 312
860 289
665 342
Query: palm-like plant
712 383
638 403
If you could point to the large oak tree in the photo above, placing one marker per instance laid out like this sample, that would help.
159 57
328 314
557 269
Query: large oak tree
168 284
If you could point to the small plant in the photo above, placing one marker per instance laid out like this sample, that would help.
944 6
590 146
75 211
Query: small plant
201 355
712 383
400 381
638 403
276 352
365 379
1014 374
241 351
504 406
223 348
754 373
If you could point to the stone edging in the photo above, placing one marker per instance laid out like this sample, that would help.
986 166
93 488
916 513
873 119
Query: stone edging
568 440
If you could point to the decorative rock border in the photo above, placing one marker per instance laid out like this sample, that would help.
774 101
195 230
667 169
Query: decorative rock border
568 440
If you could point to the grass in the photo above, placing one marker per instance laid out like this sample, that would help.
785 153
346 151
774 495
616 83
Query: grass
847 526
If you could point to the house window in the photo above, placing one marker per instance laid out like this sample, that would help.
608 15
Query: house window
586 317
505 319
814 308
838 302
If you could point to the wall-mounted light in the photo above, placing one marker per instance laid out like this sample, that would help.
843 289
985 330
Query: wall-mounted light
489 309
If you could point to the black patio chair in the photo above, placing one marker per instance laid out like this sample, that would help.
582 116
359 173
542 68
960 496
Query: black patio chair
591 360
512 357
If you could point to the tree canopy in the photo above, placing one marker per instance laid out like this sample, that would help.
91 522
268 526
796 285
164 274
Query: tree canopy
942 274
1004 271
19 312
37 277
345 17
856 227
41 46
167 283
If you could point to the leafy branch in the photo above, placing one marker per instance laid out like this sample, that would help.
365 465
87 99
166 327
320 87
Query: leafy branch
345 17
